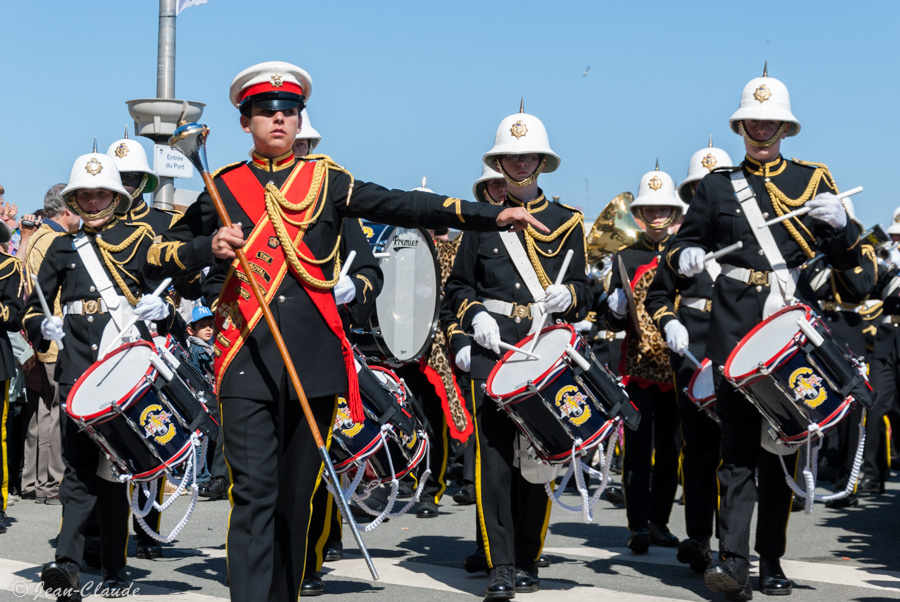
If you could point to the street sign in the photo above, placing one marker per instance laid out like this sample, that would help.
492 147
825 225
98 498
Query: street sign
170 163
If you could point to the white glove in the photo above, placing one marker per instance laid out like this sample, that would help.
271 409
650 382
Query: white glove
676 336
557 299
486 332
691 263
618 302
583 326
151 308
52 329
828 208
344 290
464 358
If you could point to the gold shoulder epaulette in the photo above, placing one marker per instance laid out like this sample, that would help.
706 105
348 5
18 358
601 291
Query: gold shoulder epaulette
572 209
225 168
9 265
329 163
826 173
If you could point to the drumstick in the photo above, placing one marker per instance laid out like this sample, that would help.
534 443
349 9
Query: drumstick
156 293
687 353
559 278
804 210
509 347
347 263
723 251
44 306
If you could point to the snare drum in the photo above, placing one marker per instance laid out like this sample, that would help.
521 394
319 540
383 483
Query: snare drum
552 406
702 390
402 325
129 410
794 384
361 444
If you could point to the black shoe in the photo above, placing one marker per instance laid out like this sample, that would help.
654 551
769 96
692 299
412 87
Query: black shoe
62 580
91 554
405 490
466 495
661 536
334 552
4 522
542 562
772 581
870 486
115 585
312 586
527 581
215 489
427 509
639 542
476 563
844 502
723 578
695 553
29 496
614 494
503 583
147 550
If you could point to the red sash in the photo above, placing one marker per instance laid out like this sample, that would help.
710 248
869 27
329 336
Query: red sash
238 311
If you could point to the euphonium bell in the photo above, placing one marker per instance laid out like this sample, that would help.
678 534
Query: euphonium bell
190 140
613 230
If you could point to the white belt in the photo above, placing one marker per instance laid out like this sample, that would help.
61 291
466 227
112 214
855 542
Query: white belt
755 277
85 307
698 303
610 335
505 308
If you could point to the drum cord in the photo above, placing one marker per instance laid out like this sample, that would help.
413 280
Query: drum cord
811 468
578 468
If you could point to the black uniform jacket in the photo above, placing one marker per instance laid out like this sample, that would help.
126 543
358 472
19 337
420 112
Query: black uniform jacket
715 220
364 272
257 370
62 272
484 270
11 308
156 219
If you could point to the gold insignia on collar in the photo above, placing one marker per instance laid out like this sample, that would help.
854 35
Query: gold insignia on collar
277 80
709 161
93 167
121 150
762 93
655 183
518 129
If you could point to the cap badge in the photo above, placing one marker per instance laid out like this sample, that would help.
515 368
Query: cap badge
709 161
655 183
762 93
121 150
277 80
93 167
518 129
897 218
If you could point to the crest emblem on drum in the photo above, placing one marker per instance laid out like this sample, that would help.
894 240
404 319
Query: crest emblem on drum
709 161
573 404
343 422
518 129
762 93
807 387
157 424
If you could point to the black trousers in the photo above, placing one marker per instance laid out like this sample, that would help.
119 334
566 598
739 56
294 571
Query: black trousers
275 469
80 490
748 473
324 529
4 457
650 465
700 456
439 437
512 512
885 380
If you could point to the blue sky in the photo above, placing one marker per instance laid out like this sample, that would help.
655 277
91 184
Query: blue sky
403 90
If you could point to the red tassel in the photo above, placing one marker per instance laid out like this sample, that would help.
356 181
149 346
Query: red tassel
354 401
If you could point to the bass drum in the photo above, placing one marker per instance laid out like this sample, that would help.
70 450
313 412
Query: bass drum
402 325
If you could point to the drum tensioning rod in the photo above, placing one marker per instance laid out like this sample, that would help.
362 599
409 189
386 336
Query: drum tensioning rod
559 279
190 140
47 313
805 209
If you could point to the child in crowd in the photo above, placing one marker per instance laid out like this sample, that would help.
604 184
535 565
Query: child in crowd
200 332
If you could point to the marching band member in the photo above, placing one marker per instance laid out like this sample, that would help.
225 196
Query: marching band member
495 289
679 307
650 464
10 320
754 283
73 270
273 458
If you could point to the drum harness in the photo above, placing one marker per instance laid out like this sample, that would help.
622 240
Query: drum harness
117 306
782 284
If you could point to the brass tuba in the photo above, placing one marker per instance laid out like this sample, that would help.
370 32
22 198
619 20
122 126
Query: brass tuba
613 230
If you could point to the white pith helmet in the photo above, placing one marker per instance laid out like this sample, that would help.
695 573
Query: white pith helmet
308 132
95 170
767 99
487 173
521 134
894 228
130 156
657 189
702 162
423 188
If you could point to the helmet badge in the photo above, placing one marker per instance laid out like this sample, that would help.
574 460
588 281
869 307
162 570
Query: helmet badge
762 93
277 80
655 183
518 129
709 161
121 150
93 167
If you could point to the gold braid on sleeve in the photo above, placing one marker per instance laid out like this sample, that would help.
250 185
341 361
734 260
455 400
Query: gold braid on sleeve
535 253
784 204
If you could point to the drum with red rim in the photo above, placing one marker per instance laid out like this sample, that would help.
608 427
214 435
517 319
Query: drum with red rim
702 390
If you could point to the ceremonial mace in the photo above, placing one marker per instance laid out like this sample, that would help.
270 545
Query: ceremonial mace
190 140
